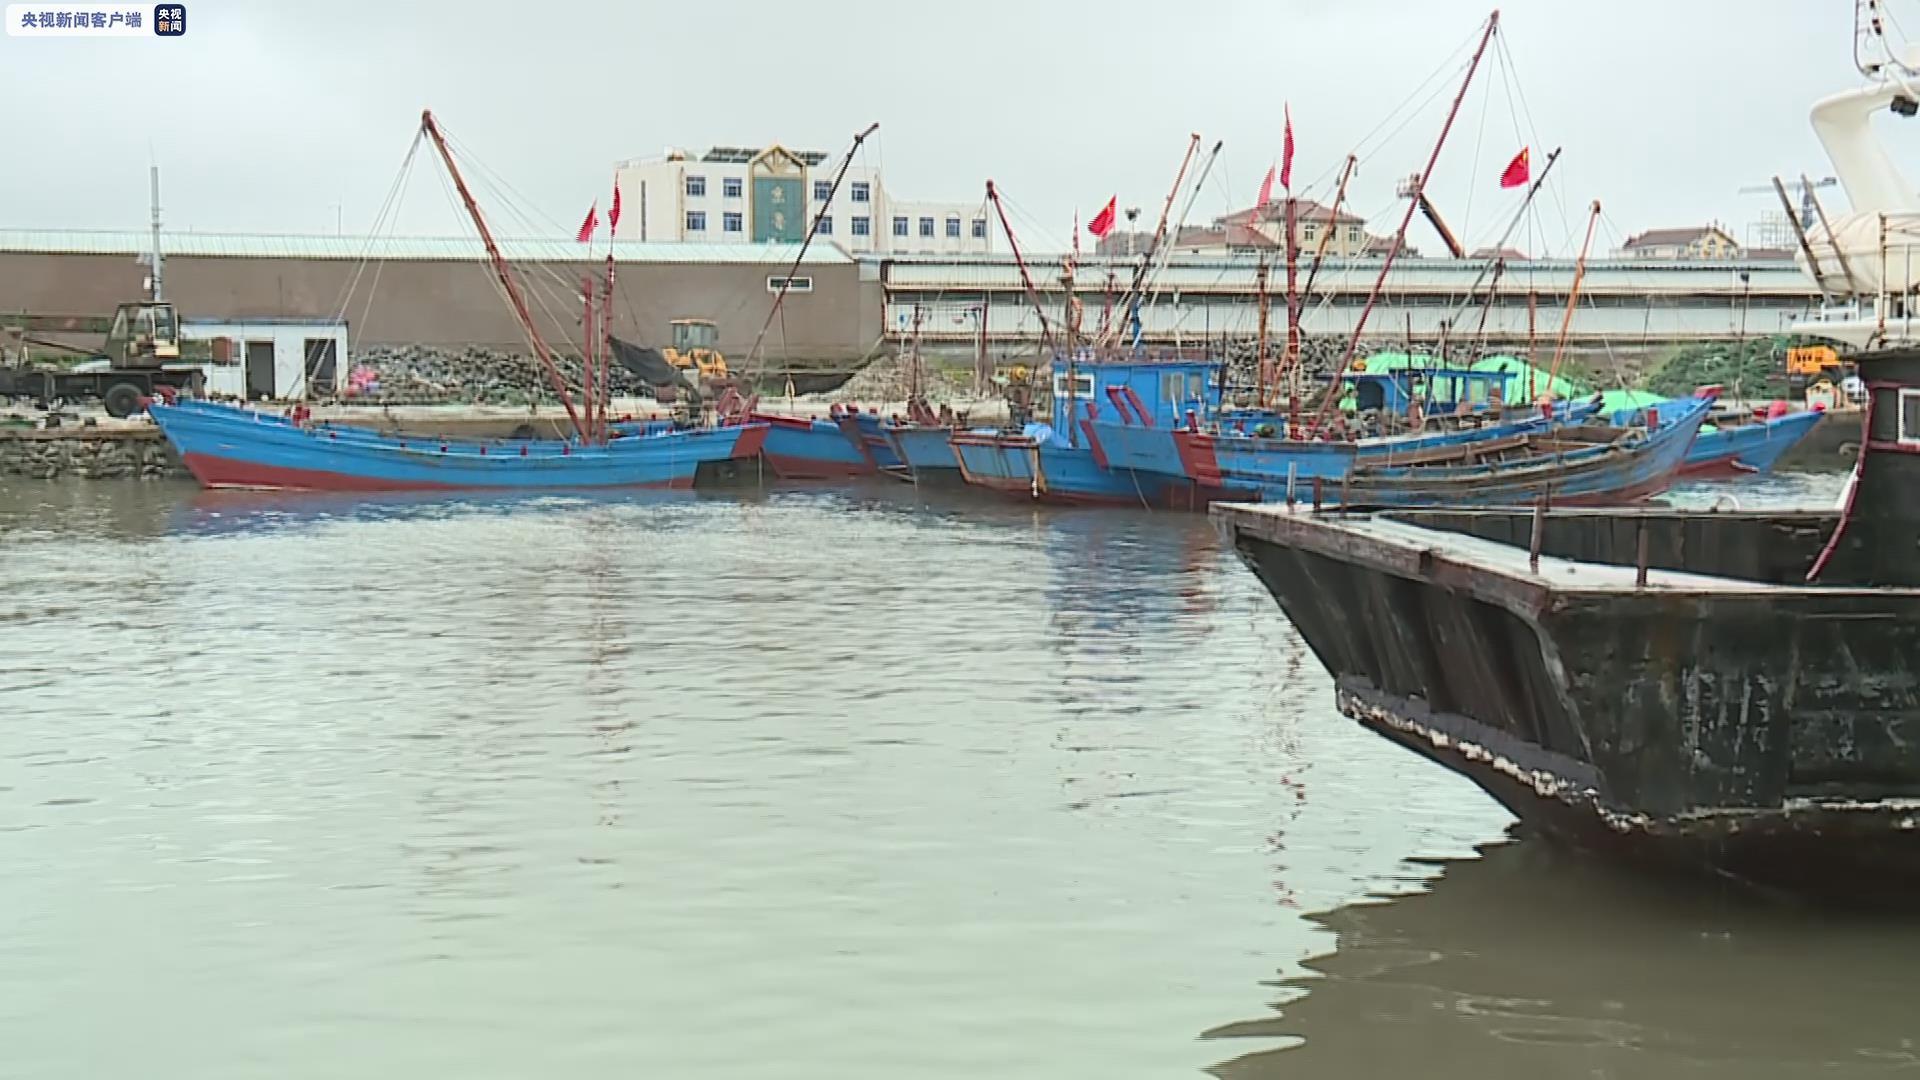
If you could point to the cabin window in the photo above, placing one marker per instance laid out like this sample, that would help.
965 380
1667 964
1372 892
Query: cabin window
1196 386
1910 417
1082 386
1171 386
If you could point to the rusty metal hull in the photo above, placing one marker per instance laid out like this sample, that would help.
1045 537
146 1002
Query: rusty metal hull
1723 716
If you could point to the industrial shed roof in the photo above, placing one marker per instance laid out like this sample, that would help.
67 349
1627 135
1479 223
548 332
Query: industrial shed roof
268 246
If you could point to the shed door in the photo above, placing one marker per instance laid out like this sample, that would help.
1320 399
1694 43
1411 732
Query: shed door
259 370
322 359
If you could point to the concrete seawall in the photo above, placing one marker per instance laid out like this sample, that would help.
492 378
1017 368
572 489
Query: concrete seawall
120 453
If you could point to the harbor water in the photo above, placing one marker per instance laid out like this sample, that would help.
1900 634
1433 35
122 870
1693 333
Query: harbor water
836 782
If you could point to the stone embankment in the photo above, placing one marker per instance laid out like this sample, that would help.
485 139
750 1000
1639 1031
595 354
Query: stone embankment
89 453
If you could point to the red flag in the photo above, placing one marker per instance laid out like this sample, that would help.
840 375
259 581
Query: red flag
1286 152
1516 173
592 223
613 213
1266 190
1102 222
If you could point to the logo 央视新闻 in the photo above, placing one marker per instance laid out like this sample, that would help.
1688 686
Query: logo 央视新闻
170 20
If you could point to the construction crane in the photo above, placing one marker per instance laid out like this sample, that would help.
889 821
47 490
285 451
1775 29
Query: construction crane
1806 190
1411 188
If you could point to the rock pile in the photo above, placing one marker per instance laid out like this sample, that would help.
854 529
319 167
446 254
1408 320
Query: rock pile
423 375
890 378
125 455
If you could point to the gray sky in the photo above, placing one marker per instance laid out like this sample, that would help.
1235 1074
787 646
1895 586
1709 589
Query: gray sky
267 115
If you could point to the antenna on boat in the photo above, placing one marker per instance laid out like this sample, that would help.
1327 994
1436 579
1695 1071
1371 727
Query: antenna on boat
1400 235
519 303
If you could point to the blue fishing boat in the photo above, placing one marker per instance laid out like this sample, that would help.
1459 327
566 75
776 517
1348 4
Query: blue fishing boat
1736 444
925 451
230 447
810 448
1062 460
864 431
1567 464
1458 402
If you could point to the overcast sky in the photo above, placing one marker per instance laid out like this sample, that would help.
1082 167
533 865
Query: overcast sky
275 116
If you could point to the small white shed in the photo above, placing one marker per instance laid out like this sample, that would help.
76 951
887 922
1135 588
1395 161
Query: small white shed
268 359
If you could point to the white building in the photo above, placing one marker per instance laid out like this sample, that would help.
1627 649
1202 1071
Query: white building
737 195
271 359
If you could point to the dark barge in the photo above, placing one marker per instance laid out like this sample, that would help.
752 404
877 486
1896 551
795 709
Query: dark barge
1737 692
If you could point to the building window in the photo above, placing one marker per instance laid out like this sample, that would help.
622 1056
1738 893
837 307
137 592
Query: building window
860 191
1910 418
926 226
826 225
822 191
862 226
730 221
1353 234
696 186
730 188
953 228
794 284
979 228
696 221
1307 232
900 226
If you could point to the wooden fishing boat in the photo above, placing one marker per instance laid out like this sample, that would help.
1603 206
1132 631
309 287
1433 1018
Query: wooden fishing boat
226 446
229 447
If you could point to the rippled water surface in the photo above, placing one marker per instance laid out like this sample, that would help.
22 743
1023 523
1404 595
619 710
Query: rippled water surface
835 783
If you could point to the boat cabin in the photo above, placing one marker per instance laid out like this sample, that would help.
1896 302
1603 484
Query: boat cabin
1438 389
1161 391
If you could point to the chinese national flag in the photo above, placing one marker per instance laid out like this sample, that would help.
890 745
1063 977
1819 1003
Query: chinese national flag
1102 222
592 223
613 212
1286 153
1516 173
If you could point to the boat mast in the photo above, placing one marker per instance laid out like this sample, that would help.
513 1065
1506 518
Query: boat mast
1400 235
812 228
1132 295
1262 377
1573 297
1020 263
519 303
1293 287
1339 197
606 344
589 382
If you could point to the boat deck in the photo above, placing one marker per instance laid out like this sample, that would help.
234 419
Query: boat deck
1397 541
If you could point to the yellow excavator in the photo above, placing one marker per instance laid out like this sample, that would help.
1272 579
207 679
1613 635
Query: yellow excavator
693 348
